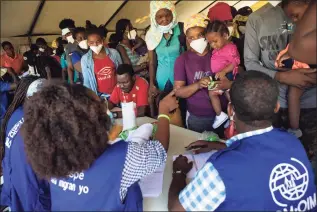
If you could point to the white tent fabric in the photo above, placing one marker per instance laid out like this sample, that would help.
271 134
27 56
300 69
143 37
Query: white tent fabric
17 16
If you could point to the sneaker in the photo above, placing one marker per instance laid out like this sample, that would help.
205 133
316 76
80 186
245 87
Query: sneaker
227 124
219 120
296 132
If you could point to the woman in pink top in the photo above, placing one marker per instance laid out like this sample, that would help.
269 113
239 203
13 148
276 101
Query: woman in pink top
225 60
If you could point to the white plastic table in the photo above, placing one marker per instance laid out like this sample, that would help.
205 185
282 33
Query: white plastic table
179 139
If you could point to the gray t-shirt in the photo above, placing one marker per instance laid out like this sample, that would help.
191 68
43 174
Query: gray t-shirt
264 39
70 48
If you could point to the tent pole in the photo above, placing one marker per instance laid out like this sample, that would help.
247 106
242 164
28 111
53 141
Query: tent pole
116 12
36 17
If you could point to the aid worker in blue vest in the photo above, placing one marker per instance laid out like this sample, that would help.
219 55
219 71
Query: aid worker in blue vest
22 189
71 149
260 169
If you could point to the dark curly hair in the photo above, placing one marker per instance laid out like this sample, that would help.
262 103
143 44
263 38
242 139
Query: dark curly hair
65 130
67 23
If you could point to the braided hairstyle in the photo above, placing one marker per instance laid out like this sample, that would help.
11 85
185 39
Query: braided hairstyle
121 26
18 100
217 26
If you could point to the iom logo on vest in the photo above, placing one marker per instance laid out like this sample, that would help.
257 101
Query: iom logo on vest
288 186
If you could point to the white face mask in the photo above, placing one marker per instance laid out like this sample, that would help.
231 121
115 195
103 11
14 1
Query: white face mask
96 49
132 35
83 44
165 29
242 29
70 39
31 70
199 45
54 51
41 49
230 28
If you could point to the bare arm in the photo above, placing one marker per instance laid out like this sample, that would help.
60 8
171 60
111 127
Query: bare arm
184 91
70 72
77 66
303 45
126 59
177 185
48 72
124 55
152 66
169 103
228 68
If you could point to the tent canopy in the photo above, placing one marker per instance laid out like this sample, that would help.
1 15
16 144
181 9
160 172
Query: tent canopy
22 19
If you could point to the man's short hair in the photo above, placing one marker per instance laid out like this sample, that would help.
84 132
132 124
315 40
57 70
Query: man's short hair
41 41
284 3
6 43
125 69
254 96
78 30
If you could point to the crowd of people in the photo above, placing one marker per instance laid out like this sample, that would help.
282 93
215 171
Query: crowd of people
242 74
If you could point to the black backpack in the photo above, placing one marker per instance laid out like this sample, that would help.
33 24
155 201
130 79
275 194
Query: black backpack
182 38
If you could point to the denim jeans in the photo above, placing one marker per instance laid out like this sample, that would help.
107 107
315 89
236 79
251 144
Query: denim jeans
200 124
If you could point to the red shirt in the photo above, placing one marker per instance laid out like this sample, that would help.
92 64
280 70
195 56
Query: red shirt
105 75
138 94
14 63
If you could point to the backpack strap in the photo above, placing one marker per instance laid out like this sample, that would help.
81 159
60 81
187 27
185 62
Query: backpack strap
182 38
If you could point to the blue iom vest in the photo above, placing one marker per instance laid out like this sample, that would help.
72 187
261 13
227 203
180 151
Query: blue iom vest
22 189
97 188
267 172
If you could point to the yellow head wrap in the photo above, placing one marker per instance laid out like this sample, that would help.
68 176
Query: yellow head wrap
197 20
236 20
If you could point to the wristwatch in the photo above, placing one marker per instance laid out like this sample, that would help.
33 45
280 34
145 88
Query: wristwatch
179 172
115 114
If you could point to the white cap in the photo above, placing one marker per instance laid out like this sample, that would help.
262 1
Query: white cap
35 86
65 31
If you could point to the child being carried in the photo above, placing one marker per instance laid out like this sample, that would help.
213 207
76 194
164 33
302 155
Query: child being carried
225 60
283 60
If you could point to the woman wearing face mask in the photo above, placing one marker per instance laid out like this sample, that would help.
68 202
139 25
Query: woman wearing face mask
192 71
163 44
99 64
128 41
238 33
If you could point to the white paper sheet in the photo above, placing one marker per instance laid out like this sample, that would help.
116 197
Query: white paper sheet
128 115
152 185
198 162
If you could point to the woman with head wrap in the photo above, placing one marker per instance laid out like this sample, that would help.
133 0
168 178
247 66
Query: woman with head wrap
192 71
165 41
222 12
239 26
163 44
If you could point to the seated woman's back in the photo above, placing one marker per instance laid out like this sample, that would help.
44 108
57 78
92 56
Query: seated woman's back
70 147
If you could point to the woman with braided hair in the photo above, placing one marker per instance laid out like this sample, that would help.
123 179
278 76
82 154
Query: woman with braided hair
22 189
